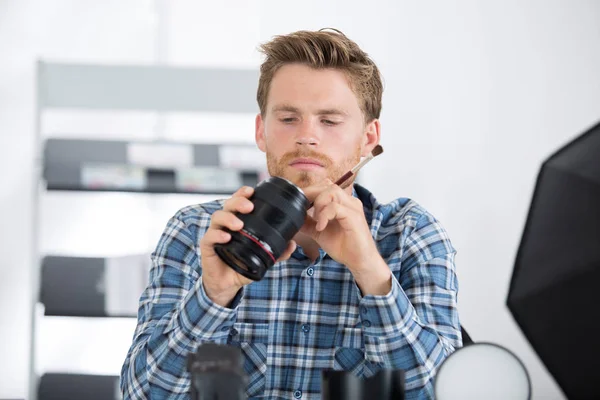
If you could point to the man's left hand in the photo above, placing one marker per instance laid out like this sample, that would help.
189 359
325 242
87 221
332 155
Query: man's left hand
337 223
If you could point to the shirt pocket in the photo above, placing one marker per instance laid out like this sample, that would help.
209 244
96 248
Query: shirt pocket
253 341
349 354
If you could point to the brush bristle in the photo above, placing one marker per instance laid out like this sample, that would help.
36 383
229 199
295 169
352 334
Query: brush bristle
377 150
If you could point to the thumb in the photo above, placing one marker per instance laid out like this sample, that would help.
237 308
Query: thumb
291 247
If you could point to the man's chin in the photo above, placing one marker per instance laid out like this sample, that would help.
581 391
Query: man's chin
303 179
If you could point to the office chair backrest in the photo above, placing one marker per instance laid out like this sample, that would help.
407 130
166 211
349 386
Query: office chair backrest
466 337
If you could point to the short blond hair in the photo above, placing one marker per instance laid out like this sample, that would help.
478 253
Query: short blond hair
321 50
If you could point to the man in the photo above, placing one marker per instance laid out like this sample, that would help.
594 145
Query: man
362 287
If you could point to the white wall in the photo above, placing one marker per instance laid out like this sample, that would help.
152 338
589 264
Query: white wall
113 31
477 94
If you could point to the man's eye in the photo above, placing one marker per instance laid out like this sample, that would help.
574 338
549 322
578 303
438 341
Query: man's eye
287 120
330 122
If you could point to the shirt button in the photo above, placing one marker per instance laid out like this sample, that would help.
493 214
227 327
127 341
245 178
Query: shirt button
225 328
310 271
306 328
298 394
364 310
233 332
366 323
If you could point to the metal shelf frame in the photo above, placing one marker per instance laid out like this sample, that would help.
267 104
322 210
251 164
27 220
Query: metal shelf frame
153 88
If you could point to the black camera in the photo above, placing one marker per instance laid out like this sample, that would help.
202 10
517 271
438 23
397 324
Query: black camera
386 384
217 373
279 211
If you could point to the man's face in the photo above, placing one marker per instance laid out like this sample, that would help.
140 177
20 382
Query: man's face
314 128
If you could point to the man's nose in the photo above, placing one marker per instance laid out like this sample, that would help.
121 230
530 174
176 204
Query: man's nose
306 135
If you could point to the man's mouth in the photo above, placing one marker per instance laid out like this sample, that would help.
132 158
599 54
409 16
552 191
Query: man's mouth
306 164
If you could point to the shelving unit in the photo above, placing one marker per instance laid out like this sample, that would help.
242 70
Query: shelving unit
70 286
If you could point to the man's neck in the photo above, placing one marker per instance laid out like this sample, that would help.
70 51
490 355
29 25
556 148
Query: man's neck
309 246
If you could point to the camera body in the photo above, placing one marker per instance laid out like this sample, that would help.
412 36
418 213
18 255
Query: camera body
343 385
217 373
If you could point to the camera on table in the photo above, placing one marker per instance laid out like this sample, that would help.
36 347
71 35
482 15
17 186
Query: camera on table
218 374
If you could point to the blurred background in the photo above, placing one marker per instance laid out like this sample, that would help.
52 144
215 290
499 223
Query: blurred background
477 95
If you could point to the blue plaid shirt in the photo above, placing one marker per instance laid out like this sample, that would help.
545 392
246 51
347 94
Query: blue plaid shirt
304 316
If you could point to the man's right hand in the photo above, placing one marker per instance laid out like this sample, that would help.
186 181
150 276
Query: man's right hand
221 282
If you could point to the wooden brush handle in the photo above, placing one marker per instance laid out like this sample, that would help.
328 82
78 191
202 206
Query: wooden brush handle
343 179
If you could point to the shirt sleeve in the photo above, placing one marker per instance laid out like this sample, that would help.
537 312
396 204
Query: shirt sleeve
415 326
175 316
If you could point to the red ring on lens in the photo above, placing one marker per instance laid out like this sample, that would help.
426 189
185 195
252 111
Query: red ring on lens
258 243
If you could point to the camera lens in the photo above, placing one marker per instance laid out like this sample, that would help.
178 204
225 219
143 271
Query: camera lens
279 211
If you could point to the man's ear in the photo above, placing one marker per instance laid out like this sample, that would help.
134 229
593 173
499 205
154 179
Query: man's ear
371 137
259 133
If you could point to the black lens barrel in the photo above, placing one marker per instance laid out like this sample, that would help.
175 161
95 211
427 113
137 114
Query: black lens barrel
279 211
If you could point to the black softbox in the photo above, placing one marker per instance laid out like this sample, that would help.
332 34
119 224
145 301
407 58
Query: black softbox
554 293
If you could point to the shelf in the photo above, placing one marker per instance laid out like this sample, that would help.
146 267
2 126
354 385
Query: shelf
100 287
77 291
147 87
76 387
150 167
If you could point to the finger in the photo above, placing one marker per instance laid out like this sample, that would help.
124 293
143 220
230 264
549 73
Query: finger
338 195
225 219
327 196
291 247
329 213
212 237
244 191
238 204
345 216
331 195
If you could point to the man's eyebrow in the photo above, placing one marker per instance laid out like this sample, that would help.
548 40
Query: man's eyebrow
324 111
332 111
285 107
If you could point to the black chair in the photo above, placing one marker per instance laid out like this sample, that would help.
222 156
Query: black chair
78 387
465 337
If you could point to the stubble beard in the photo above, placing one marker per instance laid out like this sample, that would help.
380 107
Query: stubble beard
280 167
